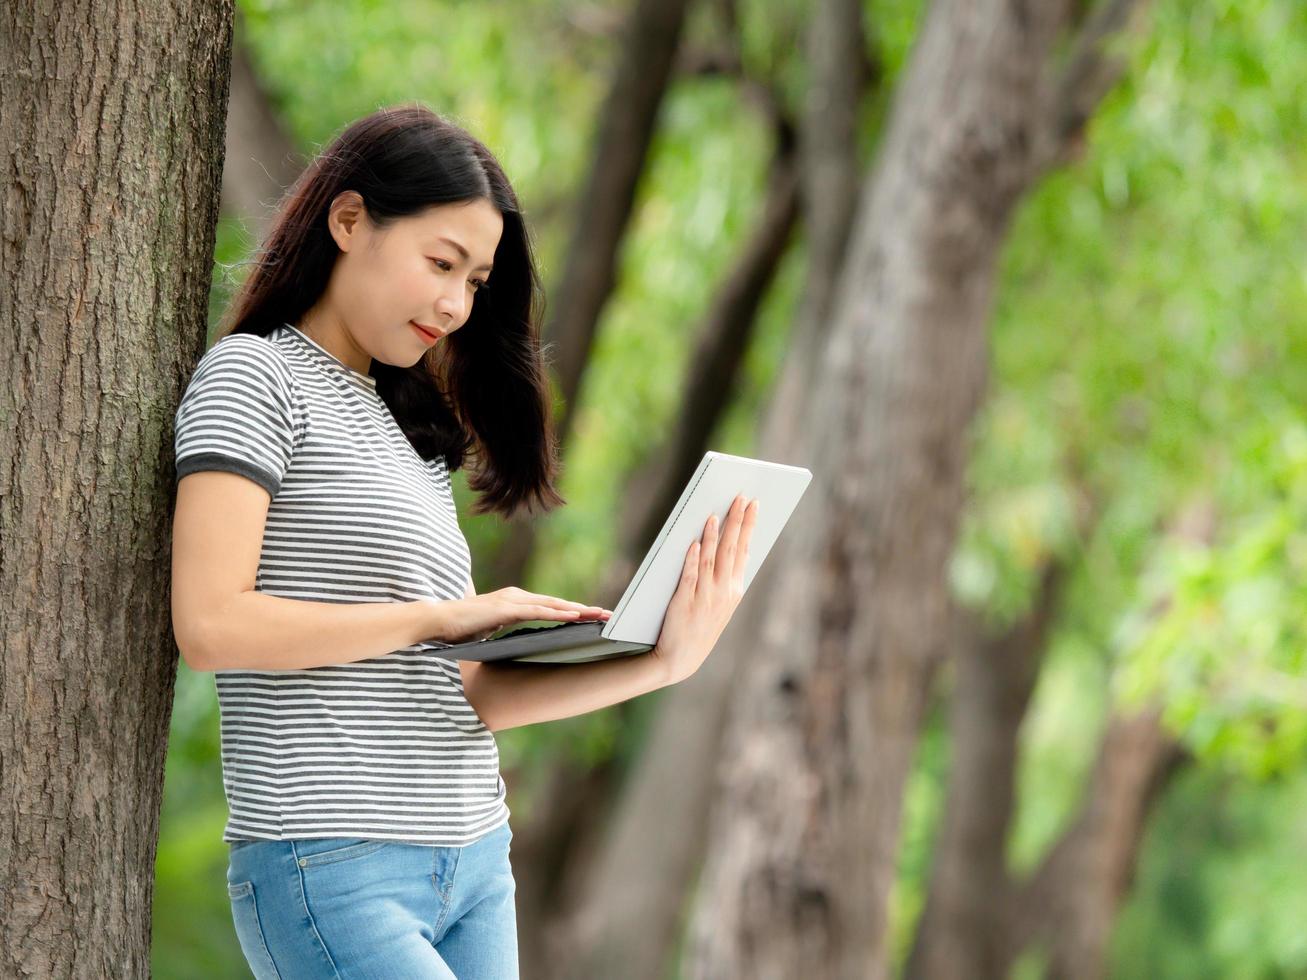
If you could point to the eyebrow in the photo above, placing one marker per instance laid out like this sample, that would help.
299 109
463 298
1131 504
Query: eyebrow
463 252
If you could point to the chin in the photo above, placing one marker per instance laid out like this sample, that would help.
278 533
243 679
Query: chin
421 357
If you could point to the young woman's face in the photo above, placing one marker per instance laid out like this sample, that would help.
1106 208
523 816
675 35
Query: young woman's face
422 271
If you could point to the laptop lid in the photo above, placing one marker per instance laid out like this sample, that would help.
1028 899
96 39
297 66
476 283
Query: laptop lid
638 615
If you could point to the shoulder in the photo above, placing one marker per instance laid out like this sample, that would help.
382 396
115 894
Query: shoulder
247 375
246 367
247 356
240 412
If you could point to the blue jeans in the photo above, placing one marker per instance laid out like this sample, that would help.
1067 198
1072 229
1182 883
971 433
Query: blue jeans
349 907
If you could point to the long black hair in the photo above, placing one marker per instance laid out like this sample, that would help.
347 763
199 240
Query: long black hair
484 391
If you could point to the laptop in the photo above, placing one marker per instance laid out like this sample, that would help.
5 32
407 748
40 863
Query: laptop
638 616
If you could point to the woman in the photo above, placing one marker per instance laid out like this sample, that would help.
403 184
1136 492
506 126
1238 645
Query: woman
387 331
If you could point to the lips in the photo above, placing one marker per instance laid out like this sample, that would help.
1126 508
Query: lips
429 334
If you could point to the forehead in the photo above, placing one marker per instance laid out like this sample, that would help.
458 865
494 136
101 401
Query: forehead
475 225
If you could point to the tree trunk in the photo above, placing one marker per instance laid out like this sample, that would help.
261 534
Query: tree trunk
261 160
598 872
604 204
654 835
842 75
803 843
978 919
962 930
1070 904
114 127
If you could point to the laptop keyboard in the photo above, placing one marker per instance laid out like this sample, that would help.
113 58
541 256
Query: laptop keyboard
540 629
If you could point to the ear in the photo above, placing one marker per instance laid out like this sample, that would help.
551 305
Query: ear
345 218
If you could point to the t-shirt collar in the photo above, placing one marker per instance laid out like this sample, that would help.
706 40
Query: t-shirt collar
328 359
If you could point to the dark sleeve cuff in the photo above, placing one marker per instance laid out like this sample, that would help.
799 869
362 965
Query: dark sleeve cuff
229 464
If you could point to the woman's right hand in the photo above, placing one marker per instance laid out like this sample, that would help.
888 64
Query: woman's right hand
463 620
710 589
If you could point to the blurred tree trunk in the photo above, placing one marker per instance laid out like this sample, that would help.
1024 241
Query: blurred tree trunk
261 161
845 73
978 919
654 832
624 130
823 727
114 132
604 204
605 927
1070 904
963 930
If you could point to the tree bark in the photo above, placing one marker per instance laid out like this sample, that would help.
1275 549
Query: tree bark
113 126
803 843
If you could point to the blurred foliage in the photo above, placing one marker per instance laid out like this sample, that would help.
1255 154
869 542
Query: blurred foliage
1148 361
1155 369
1220 890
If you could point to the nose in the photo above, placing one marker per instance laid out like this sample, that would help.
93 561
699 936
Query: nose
451 307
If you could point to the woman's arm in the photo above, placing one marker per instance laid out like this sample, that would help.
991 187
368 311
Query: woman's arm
510 694
221 623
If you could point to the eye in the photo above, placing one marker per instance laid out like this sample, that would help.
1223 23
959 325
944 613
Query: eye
444 266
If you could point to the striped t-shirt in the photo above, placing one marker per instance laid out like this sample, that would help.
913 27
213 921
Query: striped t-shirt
381 748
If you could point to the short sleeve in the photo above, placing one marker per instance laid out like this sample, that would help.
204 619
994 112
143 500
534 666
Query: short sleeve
238 413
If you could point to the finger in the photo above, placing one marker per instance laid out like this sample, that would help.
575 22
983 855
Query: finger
521 595
582 607
746 534
521 608
553 612
730 538
559 603
708 547
690 567
579 610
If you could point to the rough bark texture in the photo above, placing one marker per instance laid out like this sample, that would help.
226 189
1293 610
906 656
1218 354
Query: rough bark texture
111 123
803 841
